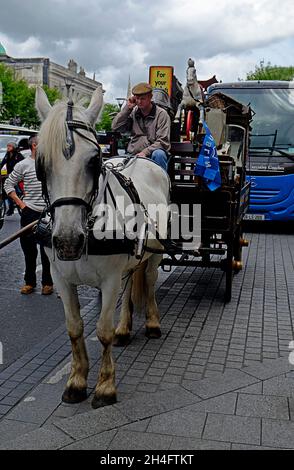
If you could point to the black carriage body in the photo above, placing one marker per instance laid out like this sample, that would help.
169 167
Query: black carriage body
222 210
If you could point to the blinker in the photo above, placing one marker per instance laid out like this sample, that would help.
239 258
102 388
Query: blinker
70 143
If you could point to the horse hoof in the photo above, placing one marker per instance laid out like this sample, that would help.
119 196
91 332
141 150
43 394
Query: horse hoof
153 332
74 395
99 401
121 340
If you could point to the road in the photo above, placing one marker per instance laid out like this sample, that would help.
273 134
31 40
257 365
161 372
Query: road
25 320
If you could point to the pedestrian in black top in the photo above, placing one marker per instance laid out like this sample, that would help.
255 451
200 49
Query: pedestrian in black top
12 157
31 207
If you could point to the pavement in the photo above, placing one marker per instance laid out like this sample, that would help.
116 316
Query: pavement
219 377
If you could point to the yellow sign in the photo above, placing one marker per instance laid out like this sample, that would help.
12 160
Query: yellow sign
161 76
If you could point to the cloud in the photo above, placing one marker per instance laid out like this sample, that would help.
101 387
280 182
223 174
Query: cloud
115 38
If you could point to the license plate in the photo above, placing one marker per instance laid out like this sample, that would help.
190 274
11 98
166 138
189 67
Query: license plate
254 217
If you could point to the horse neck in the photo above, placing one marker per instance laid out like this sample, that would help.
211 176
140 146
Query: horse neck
193 89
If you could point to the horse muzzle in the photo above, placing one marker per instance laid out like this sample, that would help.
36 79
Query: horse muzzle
69 248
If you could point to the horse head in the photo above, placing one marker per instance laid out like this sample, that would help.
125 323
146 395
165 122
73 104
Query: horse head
68 163
191 73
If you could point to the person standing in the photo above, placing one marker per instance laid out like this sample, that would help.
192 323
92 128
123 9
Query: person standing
31 206
149 125
11 158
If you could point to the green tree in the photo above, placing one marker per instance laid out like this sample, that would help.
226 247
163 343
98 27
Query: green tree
108 113
19 98
270 72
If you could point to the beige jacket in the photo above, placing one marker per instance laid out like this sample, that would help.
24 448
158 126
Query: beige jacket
147 133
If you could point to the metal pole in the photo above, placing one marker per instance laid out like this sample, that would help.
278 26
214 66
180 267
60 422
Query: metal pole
18 234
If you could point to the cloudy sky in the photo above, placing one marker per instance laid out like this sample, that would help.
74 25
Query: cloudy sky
115 38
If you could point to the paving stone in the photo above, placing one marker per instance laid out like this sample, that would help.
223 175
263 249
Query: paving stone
48 438
184 443
277 433
264 371
173 378
5 391
237 429
279 386
98 442
150 405
4 408
167 386
251 447
178 423
225 404
130 440
46 398
262 406
10 429
256 389
220 383
291 406
94 422
8 400
143 387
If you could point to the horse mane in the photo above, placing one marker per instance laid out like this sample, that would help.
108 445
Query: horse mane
52 136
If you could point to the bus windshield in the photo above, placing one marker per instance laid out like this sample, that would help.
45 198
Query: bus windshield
273 121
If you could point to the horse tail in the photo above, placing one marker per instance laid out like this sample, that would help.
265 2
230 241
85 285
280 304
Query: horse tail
138 295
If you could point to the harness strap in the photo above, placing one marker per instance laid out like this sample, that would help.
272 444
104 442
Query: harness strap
70 201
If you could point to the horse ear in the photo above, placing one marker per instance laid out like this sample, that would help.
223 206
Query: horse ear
42 103
95 106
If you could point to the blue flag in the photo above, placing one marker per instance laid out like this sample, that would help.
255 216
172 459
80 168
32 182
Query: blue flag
207 165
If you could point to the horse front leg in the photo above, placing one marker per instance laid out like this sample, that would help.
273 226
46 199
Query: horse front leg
124 327
152 314
105 391
76 387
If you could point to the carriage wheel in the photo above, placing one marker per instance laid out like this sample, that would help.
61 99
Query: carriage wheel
189 124
237 251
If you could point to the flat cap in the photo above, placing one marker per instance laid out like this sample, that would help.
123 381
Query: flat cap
141 89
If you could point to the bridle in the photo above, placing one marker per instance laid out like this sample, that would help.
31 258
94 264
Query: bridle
72 127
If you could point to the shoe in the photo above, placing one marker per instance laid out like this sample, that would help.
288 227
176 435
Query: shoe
9 212
26 289
47 290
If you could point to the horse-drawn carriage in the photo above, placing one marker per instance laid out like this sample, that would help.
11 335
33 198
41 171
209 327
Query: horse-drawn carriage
222 209
76 181
216 227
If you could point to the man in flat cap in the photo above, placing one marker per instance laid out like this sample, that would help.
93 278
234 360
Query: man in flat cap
148 123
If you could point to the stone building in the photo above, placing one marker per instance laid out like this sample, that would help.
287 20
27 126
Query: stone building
42 71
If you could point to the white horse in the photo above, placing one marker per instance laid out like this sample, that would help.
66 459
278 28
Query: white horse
67 155
192 92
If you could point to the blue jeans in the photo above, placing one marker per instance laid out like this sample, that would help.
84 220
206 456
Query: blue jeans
159 156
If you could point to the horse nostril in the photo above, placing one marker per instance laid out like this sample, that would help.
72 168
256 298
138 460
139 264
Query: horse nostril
54 241
81 239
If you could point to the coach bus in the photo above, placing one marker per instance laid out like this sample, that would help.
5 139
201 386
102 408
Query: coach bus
271 149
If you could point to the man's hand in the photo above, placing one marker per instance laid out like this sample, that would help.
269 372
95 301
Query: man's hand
141 154
19 202
132 102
